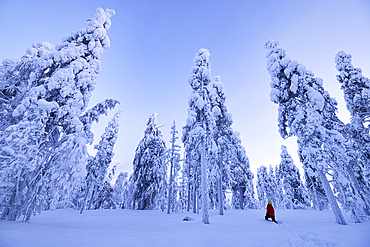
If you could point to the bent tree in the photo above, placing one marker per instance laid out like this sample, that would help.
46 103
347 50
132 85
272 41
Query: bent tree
301 102
42 137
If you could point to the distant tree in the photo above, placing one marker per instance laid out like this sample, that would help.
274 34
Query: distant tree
183 194
97 167
267 186
173 160
295 196
120 192
241 177
187 179
104 195
279 189
149 176
272 193
43 95
68 185
262 178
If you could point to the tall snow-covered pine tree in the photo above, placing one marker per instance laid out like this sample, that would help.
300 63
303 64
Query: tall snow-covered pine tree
148 179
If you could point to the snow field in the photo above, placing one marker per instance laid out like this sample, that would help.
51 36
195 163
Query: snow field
68 228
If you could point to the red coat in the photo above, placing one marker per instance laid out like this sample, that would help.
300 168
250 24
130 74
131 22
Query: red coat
270 210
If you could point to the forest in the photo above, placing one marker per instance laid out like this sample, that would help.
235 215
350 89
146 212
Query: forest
46 125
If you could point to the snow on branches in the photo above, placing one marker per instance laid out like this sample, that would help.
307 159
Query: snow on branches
44 95
148 180
302 103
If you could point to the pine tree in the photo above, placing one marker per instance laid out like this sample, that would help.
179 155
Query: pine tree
97 167
223 121
199 126
356 89
338 161
230 151
41 122
295 196
183 193
241 177
173 159
67 184
262 178
120 194
271 187
104 198
148 179
301 104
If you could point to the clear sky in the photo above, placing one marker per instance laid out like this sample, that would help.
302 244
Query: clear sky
153 44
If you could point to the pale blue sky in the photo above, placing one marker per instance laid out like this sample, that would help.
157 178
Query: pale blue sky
153 44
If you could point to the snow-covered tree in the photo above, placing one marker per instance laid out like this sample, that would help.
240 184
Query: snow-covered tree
338 152
223 120
197 134
173 160
148 179
241 181
267 186
261 185
188 177
279 189
120 194
272 194
43 96
356 89
104 197
228 144
295 196
97 167
230 166
68 186
301 102
183 194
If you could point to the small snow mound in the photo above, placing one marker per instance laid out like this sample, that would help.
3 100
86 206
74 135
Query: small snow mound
308 240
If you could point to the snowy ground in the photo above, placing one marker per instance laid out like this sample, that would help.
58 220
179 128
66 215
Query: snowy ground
156 228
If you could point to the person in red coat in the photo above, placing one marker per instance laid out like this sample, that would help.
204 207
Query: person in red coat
270 212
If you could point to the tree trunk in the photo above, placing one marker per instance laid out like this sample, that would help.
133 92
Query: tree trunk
142 199
205 215
317 201
198 201
31 203
13 208
188 195
220 196
142 203
91 198
357 187
170 189
7 209
332 200
84 201
194 199
241 201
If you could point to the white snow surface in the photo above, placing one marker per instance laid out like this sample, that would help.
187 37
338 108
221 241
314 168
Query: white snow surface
156 228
